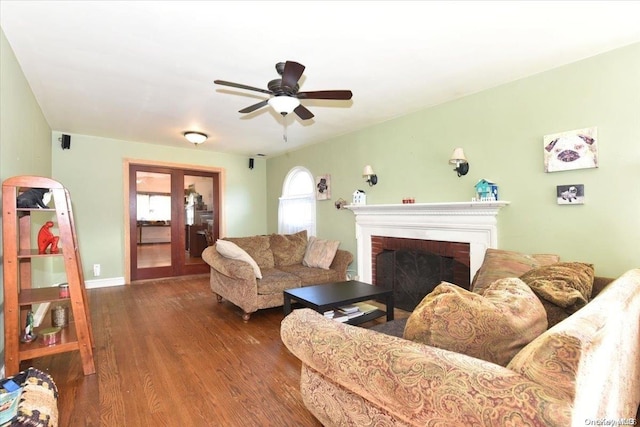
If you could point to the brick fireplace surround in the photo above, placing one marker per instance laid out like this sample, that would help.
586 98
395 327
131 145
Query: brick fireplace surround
471 223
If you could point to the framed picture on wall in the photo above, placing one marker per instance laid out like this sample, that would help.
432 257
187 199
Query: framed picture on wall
570 194
574 149
323 187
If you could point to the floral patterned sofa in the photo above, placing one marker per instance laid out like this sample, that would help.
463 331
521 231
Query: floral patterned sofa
584 369
271 264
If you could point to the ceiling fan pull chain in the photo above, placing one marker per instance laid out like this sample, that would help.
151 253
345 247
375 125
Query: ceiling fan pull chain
284 134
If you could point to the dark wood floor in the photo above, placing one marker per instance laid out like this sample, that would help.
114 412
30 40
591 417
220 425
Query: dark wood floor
167 354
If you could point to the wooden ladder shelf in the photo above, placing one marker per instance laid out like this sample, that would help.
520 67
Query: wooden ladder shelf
19 291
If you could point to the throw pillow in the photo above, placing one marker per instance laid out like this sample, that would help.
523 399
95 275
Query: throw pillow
232 251
320 253
289 249
258 247
500 264
564 285
493 327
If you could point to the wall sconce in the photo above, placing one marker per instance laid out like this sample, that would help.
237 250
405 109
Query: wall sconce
195 138
372 178
458 159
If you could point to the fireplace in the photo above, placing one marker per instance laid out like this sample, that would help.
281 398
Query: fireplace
414 267
472 224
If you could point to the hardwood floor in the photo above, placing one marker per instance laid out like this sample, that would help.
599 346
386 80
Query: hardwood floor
168 354
159 254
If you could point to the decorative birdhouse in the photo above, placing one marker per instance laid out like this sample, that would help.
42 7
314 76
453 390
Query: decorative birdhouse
486 191
359 198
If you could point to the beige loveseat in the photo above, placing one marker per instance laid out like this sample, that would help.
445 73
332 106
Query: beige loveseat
585 370
279 258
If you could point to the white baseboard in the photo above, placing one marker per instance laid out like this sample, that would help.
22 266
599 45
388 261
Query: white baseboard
104 283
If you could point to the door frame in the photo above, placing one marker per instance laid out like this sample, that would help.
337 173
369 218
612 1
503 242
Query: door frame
127 162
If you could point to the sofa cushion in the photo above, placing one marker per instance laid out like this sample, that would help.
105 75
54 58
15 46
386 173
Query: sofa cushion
288 249
312 276
275 281
562 287
500 264
320 252
493 326
258 247
232 251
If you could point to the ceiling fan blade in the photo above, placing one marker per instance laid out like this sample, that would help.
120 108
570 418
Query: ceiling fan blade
254 107
291 74
241 86
326 94
303 113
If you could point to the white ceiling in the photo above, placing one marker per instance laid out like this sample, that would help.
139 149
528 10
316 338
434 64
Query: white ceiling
144 70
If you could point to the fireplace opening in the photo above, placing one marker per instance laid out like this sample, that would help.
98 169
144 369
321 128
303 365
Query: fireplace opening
414 267
412 274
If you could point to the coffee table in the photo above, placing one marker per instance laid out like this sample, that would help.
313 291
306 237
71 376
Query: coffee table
330 296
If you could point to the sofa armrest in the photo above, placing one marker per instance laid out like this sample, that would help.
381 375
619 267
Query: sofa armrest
341 262
228 267
414 383
599 283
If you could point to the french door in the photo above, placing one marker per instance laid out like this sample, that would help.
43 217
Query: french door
174 214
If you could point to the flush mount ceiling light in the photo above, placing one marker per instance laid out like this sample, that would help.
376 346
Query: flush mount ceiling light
195 138
283 104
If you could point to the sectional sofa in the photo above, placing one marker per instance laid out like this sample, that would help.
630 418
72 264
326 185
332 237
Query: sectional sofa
584 370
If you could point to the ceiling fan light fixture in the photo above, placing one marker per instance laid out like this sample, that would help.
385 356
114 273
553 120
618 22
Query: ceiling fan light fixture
195 138
284 104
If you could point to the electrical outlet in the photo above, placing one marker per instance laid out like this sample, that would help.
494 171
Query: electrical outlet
96 270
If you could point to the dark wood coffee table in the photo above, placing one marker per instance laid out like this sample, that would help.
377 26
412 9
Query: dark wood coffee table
330 296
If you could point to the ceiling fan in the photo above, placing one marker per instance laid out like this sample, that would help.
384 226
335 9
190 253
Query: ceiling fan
284 95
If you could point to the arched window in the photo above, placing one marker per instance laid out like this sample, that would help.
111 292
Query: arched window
297 208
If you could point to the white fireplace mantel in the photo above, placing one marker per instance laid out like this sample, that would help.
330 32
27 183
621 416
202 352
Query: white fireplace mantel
466 222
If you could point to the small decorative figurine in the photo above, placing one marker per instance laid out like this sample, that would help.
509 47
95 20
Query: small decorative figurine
46 239
486 191
29 335
34 198
359 198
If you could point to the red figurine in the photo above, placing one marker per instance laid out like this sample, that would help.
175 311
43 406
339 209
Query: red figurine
46 239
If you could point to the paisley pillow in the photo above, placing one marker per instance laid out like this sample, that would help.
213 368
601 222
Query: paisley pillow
258 248
563 287
289 249
320 253
500 264
494 326
232 251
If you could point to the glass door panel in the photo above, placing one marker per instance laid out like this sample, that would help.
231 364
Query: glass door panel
153 216
152 206
199 216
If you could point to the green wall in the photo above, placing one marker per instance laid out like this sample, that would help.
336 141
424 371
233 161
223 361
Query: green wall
92 171
25 136
501 131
